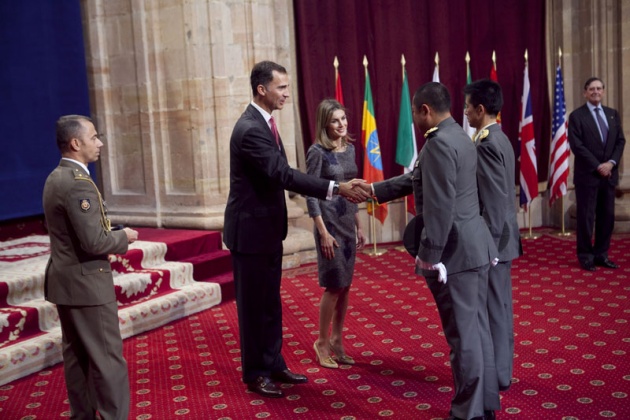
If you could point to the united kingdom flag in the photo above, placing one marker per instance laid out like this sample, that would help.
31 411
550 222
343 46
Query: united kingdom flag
529 170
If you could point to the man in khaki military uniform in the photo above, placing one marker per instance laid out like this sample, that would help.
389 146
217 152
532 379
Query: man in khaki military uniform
79 278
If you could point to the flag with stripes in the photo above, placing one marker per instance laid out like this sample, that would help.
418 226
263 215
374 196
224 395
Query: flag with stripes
559 166
406 149
529 171
465 124
372 162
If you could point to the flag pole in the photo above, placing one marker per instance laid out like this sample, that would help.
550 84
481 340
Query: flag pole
528 206
530 234
372 203
562 231
400 247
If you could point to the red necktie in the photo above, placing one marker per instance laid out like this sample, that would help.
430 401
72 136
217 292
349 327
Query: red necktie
274 131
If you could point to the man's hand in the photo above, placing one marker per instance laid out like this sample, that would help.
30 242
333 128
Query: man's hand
439 267
354 190
605 169
132 235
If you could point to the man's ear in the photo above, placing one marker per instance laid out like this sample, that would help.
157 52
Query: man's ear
75 144
261 90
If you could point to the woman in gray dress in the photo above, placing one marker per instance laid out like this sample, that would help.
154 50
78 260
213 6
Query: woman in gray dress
338 232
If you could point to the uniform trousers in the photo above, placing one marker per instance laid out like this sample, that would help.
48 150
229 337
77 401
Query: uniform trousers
501 316
462 305
94 367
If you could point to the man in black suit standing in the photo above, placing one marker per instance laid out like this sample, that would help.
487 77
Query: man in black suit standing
597 141
256 225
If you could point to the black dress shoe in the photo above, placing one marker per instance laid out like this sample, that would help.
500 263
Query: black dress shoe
605 262
288 377
587 265
265 388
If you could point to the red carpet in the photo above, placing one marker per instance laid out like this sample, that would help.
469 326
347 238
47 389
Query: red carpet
572 344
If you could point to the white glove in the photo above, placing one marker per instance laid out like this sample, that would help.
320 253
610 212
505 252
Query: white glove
423 265
442 272
494 262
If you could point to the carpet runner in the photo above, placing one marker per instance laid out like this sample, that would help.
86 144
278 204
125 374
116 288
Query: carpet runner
571 362
150 290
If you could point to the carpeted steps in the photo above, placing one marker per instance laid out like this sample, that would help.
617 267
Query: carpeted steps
166 275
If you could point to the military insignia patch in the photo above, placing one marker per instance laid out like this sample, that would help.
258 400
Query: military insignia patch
85 204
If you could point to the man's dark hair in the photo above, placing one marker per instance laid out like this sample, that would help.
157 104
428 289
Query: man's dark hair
435 95
262 74
591 80
487 93
69 127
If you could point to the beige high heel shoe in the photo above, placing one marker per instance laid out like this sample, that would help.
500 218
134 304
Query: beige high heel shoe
327 362
344 359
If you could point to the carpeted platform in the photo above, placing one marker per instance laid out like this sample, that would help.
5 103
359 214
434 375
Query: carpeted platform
571 361
151 291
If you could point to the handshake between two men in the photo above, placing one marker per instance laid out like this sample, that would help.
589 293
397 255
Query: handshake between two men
356 190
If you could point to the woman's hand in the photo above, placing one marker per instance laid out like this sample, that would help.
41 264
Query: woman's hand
328 244
360 238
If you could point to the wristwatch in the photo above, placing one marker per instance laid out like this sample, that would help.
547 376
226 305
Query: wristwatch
335 188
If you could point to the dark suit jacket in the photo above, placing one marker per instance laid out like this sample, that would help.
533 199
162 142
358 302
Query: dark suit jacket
256 212
497 194
78 272
586 145
444 185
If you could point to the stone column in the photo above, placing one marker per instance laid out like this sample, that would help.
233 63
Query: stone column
168 80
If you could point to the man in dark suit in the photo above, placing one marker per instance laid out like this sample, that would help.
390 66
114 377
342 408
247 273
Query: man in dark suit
597 142
455 248
256 225
497 195
79 280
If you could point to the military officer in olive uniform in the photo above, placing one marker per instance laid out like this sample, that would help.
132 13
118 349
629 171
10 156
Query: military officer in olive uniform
79 279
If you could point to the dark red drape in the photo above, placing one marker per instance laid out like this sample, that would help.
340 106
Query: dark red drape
383 30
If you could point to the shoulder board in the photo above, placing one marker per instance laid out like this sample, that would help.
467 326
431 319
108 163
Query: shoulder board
484 133
430 132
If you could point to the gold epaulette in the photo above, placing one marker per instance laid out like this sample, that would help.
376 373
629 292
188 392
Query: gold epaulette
484 133
430 132
105 222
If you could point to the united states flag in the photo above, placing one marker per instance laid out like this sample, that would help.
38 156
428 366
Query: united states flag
559 167
529 171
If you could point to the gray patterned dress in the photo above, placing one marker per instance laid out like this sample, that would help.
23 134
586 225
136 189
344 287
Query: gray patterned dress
338 214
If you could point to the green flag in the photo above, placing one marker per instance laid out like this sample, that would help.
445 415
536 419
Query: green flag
406 150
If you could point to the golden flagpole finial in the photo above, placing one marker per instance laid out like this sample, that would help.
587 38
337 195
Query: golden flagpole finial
467 57
559 56
494 58
365 62
402 63
336 63
525 55
437 59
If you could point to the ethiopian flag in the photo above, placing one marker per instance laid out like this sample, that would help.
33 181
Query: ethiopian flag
372 162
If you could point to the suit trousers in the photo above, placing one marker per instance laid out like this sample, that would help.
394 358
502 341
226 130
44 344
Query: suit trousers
259 307
501 317
94 367
461 303
595 211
